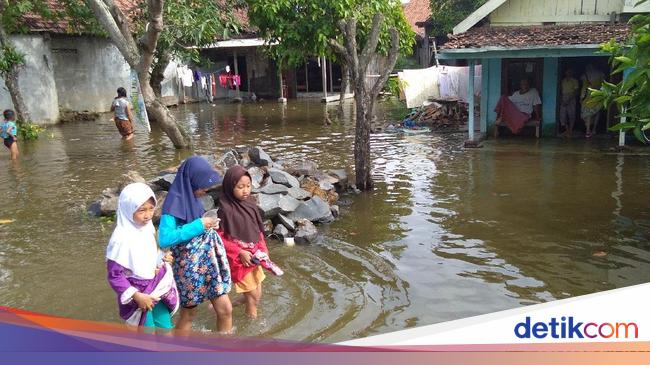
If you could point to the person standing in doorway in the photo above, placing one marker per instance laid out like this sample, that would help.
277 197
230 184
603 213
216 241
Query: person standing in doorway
9 130
123 114
569 94
592 79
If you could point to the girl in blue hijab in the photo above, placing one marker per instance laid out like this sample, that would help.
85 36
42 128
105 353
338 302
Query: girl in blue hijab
200 264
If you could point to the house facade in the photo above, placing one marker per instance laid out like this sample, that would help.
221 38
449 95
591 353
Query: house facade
537 40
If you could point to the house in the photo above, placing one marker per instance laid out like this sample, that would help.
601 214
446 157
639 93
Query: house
417 13
66 69
538 40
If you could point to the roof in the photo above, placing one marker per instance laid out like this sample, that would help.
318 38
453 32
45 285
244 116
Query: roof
537 35
417 11
61 25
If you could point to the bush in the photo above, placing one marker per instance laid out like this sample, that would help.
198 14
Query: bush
29 131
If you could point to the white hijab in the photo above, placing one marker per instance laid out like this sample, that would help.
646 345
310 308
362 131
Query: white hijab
132 246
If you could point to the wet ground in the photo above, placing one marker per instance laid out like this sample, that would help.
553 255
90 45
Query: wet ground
448 233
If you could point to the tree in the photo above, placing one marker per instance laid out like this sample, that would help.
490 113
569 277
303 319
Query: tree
348 31
632 95
446 14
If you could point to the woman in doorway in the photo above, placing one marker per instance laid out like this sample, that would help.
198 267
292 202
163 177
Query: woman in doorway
590 109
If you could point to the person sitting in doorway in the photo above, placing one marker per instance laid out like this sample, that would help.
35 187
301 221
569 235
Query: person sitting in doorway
515 110
569 93
590 108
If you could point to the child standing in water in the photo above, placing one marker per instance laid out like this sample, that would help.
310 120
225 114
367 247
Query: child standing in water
200 264
242 233
145 287
123 114
8 129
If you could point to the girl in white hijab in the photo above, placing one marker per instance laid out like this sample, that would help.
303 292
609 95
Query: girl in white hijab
145 287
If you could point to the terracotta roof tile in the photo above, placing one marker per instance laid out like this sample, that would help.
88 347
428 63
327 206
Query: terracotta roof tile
417 11
542 35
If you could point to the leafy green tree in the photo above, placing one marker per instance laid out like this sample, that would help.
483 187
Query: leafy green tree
632 95
352 32
446 14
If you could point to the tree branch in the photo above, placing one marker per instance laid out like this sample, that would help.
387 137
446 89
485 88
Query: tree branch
122 22
105 18
390 64
373 40
150 39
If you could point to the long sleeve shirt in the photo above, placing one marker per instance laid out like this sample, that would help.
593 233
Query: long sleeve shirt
171 233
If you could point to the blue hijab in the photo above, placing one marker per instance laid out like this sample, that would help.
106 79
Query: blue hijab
194 173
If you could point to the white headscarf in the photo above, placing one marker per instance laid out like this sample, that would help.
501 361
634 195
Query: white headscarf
132 246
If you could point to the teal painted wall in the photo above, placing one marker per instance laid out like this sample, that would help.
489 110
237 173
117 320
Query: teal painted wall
549 96
492 91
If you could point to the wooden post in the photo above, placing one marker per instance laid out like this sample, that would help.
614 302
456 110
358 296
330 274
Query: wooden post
307 75
236 71
621 133
323 67
470 98
329 64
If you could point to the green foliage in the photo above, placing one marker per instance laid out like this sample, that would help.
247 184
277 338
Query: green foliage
9 58
302 28
446 14
404 63
29 131
632 95
394 85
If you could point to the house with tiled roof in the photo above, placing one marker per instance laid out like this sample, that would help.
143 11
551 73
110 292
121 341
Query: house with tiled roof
538 40
417 12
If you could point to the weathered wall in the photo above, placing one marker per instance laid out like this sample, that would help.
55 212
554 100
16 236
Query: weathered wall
88 71
527 12
36 80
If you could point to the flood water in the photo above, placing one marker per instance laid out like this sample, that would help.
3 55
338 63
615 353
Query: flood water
448 233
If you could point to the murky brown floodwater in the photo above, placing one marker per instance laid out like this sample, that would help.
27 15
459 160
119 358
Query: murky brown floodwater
448 233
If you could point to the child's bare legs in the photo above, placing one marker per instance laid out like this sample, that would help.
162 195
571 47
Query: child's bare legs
14 151
223 308
252 298
184 324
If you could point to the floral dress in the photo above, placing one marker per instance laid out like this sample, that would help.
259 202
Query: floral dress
201 269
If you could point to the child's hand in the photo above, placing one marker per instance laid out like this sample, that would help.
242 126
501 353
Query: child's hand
168 258
245 258
144 301
209 222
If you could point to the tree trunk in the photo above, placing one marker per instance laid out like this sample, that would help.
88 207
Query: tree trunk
158 72
116 25
345 80
364 99
11 78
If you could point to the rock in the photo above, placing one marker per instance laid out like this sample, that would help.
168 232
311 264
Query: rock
299 193
164 181
160 199
325 185
342 175
130 178
288 204
260 157
269 205
283 220
306 233
280 232
335 210
313 187
283 178
314 209
245 161
207 201
278 165
257 175
94 209
274 189
268 227
228 160
325 178
110 192
332 197
108 205
303 167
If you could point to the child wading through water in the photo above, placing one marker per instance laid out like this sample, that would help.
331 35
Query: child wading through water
123 114
9 131
242 232
145 287
200 264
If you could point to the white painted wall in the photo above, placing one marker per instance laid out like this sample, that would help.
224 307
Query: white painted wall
529 12
36 80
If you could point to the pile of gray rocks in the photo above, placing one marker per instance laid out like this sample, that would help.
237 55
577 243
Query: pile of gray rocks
291 197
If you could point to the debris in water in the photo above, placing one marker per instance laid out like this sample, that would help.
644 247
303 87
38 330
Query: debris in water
7 221
600 254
